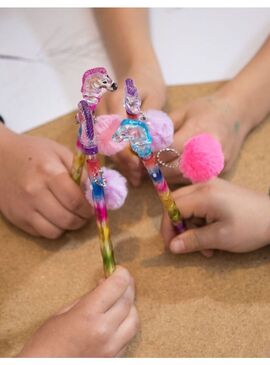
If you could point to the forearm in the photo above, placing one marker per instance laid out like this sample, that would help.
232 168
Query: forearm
126 35
249 91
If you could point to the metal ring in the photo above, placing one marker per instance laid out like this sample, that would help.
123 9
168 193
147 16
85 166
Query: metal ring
166 164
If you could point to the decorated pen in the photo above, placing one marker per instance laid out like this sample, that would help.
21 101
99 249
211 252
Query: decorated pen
94 83
135 130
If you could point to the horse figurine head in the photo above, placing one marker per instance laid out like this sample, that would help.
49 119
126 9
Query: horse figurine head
95 82
137 134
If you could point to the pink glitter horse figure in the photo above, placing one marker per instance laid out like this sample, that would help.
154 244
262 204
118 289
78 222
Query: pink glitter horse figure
95 82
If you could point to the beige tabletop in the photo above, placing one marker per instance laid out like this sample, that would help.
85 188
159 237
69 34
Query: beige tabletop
189 306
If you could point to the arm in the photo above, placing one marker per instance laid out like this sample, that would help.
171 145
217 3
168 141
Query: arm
126 35
127 39
250 89
229 113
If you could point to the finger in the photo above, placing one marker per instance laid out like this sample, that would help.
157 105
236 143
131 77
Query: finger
102 108
44 227
120 310
26 228
69 194
167 230
178 117
186 190
115 103
180 137
65 155
122 352
67 308
127 158
127 330
135 181
106 295
207 253
174 176
151 102
50 208
191 202
199 201
197 239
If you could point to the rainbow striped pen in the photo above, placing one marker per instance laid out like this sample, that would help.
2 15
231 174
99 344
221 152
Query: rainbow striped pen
134 130
95 81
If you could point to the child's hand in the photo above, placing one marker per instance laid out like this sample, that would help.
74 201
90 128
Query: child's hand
213 114
101 324
152 91
36 191
228 217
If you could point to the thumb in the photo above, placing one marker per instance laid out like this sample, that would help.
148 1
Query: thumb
193 240
178 116
65 155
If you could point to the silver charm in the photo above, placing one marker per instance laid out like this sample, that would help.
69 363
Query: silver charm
99 178
169 165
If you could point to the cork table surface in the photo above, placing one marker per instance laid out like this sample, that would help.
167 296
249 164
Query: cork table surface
189 306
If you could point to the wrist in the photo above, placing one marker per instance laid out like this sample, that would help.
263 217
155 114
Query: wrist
234 105
137 62
241 104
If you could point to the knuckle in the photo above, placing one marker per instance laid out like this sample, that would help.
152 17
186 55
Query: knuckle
30 188
44 168
223 234
135 321
122 279
75 203
109 351
70 221
194 240
53 234
102 332
127 301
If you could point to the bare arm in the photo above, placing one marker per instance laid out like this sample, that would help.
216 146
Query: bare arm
127 38
126 35
250 89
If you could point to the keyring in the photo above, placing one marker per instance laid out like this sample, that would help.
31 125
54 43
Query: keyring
167 164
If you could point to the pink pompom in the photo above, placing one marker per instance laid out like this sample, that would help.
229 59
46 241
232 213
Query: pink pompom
115 191
161 129
105 127
202 158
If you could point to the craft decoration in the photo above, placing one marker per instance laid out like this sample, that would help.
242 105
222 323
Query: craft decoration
202 158
116 189
94 83
135 130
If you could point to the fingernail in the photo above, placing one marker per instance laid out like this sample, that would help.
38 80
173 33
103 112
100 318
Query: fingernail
177 246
